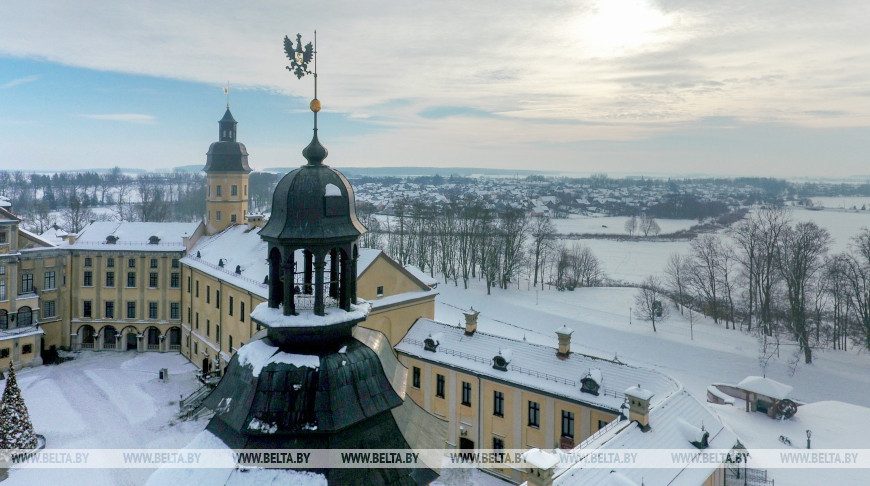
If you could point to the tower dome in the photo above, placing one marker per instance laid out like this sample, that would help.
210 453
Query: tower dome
226 170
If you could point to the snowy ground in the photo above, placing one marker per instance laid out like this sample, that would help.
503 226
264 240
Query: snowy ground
612 225
600 318
106 400
834 425
842 202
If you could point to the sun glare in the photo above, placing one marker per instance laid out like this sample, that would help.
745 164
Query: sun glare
615 26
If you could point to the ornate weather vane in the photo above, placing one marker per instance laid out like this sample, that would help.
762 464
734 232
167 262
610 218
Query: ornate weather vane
227 92
300 57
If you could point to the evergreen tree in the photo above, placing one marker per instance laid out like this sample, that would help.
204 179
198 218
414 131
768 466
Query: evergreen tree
16 430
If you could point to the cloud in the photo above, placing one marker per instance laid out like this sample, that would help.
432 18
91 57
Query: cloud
19 81
124 117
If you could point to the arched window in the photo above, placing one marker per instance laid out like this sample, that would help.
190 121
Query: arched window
25 316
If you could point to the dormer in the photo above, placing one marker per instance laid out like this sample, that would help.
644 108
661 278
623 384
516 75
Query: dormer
591 383
502 359
431 343
153 240
111 239
698 437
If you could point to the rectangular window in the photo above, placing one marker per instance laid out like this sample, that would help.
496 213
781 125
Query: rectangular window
197 320
466 393
2 269
232 218
217 299
217 333
242 311
208 327
110 279
174 280
153 263
110 310
48 309
175 263
2 290
188 285
217 216
26 283
231 305
497 443
439 386
88 280
89 262
601 424
416 378
152 280
131 279
4 353
218 190
380 290
50 281
498 404
86 309
230 339
208 294
234 190
197 289
195 347
534 414
567 424
188 315
131 310
110 262
3 237
131 263
27 349
246 189
152 310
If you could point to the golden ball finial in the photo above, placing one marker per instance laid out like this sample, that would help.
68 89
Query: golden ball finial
315 105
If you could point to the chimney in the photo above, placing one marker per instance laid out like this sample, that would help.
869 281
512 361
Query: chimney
254 221
638 406
471 321
564 335
185 240
541 467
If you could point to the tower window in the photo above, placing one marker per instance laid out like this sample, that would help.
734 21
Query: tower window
234 190
232 218
218 190
217 216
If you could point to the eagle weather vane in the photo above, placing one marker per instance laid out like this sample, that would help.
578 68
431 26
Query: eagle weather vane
299 56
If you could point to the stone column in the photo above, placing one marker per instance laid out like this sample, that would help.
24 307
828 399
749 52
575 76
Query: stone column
289 291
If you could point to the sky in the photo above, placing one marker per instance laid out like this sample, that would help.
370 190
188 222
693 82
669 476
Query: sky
774 88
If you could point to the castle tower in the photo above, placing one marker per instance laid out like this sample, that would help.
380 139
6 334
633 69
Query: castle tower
227 170
311 378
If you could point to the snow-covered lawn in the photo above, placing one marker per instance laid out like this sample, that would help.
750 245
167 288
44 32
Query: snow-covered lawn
842 225
841 202
106 400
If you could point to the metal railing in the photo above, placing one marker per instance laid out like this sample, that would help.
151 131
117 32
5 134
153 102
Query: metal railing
599 433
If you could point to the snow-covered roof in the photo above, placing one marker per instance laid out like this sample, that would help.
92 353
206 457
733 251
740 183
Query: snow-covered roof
241 246
399 298
540 459
421 275
766 387
639 392
36 237
134 235
258 354
533 365
54 234
675 422
306 318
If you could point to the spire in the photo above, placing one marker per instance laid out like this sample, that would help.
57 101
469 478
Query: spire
299 57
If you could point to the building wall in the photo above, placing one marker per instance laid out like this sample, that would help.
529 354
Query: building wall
226 203
386 273
480 424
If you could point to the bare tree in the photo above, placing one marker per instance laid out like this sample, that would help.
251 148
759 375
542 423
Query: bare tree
543 232
77 214
676 278
799 260
648 225
705 272
649 302
858 281
631 225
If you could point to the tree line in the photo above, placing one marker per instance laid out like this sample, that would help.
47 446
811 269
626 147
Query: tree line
465 238
777 278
